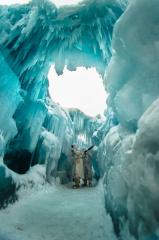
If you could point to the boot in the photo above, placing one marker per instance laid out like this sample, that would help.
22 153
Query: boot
77 183
85 182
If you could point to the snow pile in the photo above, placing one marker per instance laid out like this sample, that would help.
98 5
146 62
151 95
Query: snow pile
14 186
32 182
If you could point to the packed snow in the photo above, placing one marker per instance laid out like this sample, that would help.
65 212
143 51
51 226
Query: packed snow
57 213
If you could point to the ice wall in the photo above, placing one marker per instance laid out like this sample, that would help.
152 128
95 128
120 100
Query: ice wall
55 139
132 76
84 128
9 100
129 152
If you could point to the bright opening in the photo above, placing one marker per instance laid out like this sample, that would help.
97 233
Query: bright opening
58 3
82 89
8 2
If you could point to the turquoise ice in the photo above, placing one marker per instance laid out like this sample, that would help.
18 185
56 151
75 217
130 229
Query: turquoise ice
121 40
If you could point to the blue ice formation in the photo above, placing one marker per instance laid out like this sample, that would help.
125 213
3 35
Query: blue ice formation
9 101
118 37
129 152
32 38
85 127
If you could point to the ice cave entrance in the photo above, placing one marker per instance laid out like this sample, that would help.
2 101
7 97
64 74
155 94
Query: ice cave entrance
82 89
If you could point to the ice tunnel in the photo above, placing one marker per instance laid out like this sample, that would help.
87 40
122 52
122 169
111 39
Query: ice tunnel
30 44
119 38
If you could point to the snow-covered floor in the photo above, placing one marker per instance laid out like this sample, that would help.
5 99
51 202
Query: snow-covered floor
58 213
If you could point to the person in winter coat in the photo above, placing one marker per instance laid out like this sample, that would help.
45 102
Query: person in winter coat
87 163
77 166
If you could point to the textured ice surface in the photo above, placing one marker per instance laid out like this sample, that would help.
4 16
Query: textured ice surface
58 213
128 155
73 36
9 100
55 138
84 127
132 76
34 36
34 130
131 179
14 186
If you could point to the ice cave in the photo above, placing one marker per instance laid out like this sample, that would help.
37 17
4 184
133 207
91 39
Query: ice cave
66 175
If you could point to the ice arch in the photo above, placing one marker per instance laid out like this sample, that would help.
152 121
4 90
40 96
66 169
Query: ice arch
34 36
74 46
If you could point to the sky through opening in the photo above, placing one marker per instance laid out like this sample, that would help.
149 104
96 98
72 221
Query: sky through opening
82 89
58 3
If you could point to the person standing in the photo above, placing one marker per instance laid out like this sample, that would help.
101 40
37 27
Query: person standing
77 166
88 175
